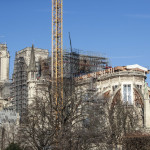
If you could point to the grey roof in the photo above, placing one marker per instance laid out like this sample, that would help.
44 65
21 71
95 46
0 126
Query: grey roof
32 65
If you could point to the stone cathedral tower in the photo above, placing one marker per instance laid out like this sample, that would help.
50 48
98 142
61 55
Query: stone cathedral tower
25 77
4 63
4 75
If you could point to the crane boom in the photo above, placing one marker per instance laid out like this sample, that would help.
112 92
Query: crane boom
57 51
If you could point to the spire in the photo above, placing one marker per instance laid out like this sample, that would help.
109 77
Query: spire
32 66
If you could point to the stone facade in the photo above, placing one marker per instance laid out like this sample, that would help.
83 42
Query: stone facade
120 83
4 63
4 75
39 54
9 125
25 77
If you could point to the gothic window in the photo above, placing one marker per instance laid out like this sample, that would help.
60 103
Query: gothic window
127 93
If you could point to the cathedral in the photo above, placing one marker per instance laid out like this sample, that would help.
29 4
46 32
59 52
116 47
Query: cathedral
32 68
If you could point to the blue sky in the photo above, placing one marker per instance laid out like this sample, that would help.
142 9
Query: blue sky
120 29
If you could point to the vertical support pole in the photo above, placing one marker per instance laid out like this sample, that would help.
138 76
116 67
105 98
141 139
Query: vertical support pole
57 53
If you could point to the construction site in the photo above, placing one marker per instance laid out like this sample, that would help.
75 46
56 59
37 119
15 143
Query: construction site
71 99
77 64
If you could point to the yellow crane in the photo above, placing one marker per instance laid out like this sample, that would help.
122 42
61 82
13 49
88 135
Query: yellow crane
57 53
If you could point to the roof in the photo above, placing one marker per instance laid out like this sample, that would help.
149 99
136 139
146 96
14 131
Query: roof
129 68
136 66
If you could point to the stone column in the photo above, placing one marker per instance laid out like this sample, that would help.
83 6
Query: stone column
147 113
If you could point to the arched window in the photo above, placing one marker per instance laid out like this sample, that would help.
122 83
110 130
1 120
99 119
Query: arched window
127 93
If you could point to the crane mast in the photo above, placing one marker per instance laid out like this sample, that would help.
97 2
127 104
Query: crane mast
57 51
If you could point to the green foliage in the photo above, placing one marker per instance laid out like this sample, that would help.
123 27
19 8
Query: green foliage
13 146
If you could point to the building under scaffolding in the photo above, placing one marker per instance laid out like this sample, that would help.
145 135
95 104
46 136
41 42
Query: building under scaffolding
20 87
76 63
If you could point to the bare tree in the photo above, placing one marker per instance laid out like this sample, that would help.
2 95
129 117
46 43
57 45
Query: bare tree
121 119
48 126
38 129
81 124
105 125
8 134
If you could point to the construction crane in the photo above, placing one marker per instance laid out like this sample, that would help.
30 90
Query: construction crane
57 53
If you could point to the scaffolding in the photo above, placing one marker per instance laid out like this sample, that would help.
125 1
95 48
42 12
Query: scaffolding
77 63
19 87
